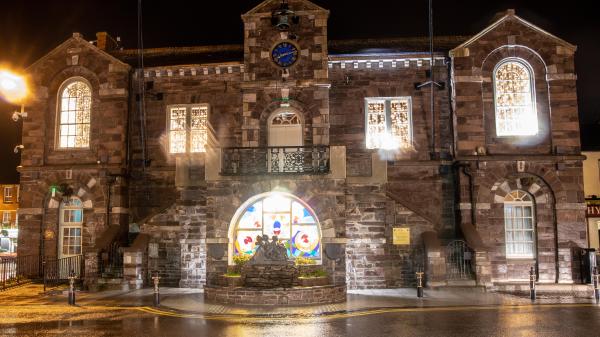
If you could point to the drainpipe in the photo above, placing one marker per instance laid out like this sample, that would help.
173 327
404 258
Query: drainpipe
468 173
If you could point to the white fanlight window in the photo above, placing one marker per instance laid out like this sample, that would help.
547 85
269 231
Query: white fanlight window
514 99
75 103
388 123
285 129
188 129
519 216
71 222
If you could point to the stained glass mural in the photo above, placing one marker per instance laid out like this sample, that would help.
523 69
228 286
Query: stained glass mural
75 110
514 99
294 224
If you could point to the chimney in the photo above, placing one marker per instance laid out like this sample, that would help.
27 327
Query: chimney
106 42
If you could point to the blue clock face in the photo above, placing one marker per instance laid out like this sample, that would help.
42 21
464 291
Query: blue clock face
284 54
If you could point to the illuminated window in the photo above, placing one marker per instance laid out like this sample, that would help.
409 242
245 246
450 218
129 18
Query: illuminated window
388 123
514 99
518 223
8 195
71 222
75 109
286 217
188 129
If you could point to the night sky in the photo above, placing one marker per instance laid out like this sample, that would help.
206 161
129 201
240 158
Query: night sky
30 29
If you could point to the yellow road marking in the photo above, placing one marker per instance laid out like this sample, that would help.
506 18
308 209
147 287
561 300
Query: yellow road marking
160 312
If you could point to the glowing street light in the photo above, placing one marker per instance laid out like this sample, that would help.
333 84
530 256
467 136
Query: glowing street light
13 89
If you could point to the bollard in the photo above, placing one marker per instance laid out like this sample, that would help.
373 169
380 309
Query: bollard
595 278
532 279
420 284
156 279
71 288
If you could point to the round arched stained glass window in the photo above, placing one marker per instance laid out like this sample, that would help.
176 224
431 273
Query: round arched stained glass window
281 215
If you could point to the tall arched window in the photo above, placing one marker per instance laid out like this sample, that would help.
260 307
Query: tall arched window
279 214
74 115
519 216
71 222
514 99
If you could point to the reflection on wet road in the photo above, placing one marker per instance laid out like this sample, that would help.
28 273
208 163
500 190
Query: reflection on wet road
552 320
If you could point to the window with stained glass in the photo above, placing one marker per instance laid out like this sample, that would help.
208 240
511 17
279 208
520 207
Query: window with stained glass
388 123
515 99
519 225
74 117
294 224
71 222
188 129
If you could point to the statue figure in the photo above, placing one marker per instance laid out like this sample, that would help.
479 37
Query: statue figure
272 252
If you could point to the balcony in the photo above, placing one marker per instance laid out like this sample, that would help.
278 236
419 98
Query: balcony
238 161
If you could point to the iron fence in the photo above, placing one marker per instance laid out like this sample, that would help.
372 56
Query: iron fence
18 270
275 160
57 271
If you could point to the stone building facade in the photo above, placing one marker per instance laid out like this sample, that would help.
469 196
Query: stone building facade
163 164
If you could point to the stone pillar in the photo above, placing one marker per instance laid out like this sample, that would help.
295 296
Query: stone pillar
90 280
483 269
133 269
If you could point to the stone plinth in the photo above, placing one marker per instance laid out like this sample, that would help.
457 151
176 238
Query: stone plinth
288 296
269 275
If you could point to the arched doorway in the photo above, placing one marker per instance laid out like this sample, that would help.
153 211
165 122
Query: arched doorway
285 129
276 214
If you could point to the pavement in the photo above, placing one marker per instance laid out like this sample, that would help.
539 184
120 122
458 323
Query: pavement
182 301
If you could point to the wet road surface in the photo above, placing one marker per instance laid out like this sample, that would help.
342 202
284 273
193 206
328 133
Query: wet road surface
541 320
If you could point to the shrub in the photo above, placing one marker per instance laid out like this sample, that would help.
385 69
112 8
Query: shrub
240 260
300 261
233 274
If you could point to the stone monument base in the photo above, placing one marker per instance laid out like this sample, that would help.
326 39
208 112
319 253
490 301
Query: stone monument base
289 296
283 275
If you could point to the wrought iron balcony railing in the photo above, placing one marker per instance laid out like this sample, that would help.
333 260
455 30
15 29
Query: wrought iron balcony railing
275 160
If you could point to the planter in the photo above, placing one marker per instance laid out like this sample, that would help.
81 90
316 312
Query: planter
313 281
233 281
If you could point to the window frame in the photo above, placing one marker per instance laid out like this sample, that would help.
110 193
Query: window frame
8 198
70 225
523 204
388 119
63 86
188 130
531 73
4 214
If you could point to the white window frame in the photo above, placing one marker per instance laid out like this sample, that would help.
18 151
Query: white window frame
511 225
59 115
390 139
70 225
188 131
5 215
531 74
8 197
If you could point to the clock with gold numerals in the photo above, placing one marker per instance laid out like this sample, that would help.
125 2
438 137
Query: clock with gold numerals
284 54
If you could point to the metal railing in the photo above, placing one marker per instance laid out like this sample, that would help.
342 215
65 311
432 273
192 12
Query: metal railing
275 160
57 271
18 270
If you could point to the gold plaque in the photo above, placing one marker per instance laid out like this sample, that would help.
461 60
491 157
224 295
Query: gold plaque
401 236
49 234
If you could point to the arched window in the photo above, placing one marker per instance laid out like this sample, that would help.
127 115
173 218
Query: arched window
514 99
74 115
519 217
281 215
71 222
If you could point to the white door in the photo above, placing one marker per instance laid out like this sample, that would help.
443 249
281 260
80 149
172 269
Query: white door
285 129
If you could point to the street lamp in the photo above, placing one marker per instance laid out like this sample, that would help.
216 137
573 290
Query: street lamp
14 89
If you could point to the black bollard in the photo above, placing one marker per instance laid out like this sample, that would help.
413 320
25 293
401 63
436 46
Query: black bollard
420 284
595 278
156 279
71 288
532 279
